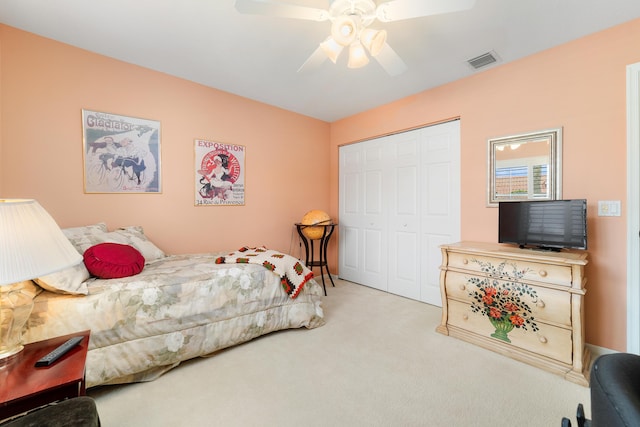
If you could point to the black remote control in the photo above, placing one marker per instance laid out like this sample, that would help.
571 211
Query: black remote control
59 351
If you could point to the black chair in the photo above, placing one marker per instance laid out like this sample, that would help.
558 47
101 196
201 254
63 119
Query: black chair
615 393
75 412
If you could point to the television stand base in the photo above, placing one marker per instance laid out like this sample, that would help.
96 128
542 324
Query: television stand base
541 248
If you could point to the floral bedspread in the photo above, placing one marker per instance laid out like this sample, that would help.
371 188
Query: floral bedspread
179 307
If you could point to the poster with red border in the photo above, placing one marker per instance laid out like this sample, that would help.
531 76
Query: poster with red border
219 173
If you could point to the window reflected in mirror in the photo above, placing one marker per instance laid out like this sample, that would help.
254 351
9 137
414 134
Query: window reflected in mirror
525 167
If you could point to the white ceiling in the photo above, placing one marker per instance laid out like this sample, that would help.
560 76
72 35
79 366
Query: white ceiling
257 57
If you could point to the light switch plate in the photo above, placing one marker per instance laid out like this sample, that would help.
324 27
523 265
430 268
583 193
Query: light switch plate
608 207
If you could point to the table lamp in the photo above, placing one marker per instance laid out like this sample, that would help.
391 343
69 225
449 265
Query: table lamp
31 245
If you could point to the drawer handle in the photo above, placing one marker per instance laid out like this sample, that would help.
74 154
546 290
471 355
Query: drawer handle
465 261
543 273
542 339
540 304
462 286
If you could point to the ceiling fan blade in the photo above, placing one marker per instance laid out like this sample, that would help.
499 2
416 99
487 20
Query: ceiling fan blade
314 61
390 61
281 9
397 10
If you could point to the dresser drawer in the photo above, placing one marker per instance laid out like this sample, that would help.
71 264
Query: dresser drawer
552 306
549 341
537 271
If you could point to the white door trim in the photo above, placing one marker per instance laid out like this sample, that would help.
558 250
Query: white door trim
633 208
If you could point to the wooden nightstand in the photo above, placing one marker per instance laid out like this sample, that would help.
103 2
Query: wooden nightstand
25 387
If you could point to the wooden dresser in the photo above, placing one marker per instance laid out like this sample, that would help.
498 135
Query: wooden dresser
523 303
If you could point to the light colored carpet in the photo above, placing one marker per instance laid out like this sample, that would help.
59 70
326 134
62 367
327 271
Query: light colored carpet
377 362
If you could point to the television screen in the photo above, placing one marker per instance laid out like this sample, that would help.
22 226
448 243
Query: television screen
554 224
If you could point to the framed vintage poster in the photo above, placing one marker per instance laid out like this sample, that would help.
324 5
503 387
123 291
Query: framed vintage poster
219 173
121 154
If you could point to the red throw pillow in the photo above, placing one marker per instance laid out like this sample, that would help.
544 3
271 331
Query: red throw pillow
113 260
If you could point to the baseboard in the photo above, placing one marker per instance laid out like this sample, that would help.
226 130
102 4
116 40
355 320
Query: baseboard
599 351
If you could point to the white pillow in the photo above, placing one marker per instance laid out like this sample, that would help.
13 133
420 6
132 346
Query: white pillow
82 238
72 280
134 236
68 281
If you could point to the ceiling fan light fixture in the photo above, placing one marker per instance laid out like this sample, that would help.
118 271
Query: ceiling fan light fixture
357 56
373 40
331 48
350 20
344 29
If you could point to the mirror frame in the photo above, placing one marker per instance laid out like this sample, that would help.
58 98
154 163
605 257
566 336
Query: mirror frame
554 179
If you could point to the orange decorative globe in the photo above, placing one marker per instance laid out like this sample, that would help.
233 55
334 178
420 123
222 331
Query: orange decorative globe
315 217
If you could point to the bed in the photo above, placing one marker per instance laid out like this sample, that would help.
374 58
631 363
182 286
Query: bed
177 308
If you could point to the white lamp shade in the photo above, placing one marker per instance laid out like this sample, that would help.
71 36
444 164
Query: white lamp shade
344 29
373 40
357 56
331 48
31 243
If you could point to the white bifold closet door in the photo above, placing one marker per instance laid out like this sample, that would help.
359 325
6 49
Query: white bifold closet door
400 200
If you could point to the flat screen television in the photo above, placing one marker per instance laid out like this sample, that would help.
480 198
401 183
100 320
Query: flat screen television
549 224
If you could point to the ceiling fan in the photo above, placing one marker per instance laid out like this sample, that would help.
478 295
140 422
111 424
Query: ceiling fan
350 20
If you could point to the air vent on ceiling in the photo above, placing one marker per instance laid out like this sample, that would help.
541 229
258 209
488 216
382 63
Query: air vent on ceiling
483 60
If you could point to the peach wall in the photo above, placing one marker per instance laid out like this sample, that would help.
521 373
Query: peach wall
46 84
580 86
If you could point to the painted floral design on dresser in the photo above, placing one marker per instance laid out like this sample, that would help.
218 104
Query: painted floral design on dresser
501 298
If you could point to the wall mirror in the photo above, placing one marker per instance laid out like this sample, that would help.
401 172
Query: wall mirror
525 167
